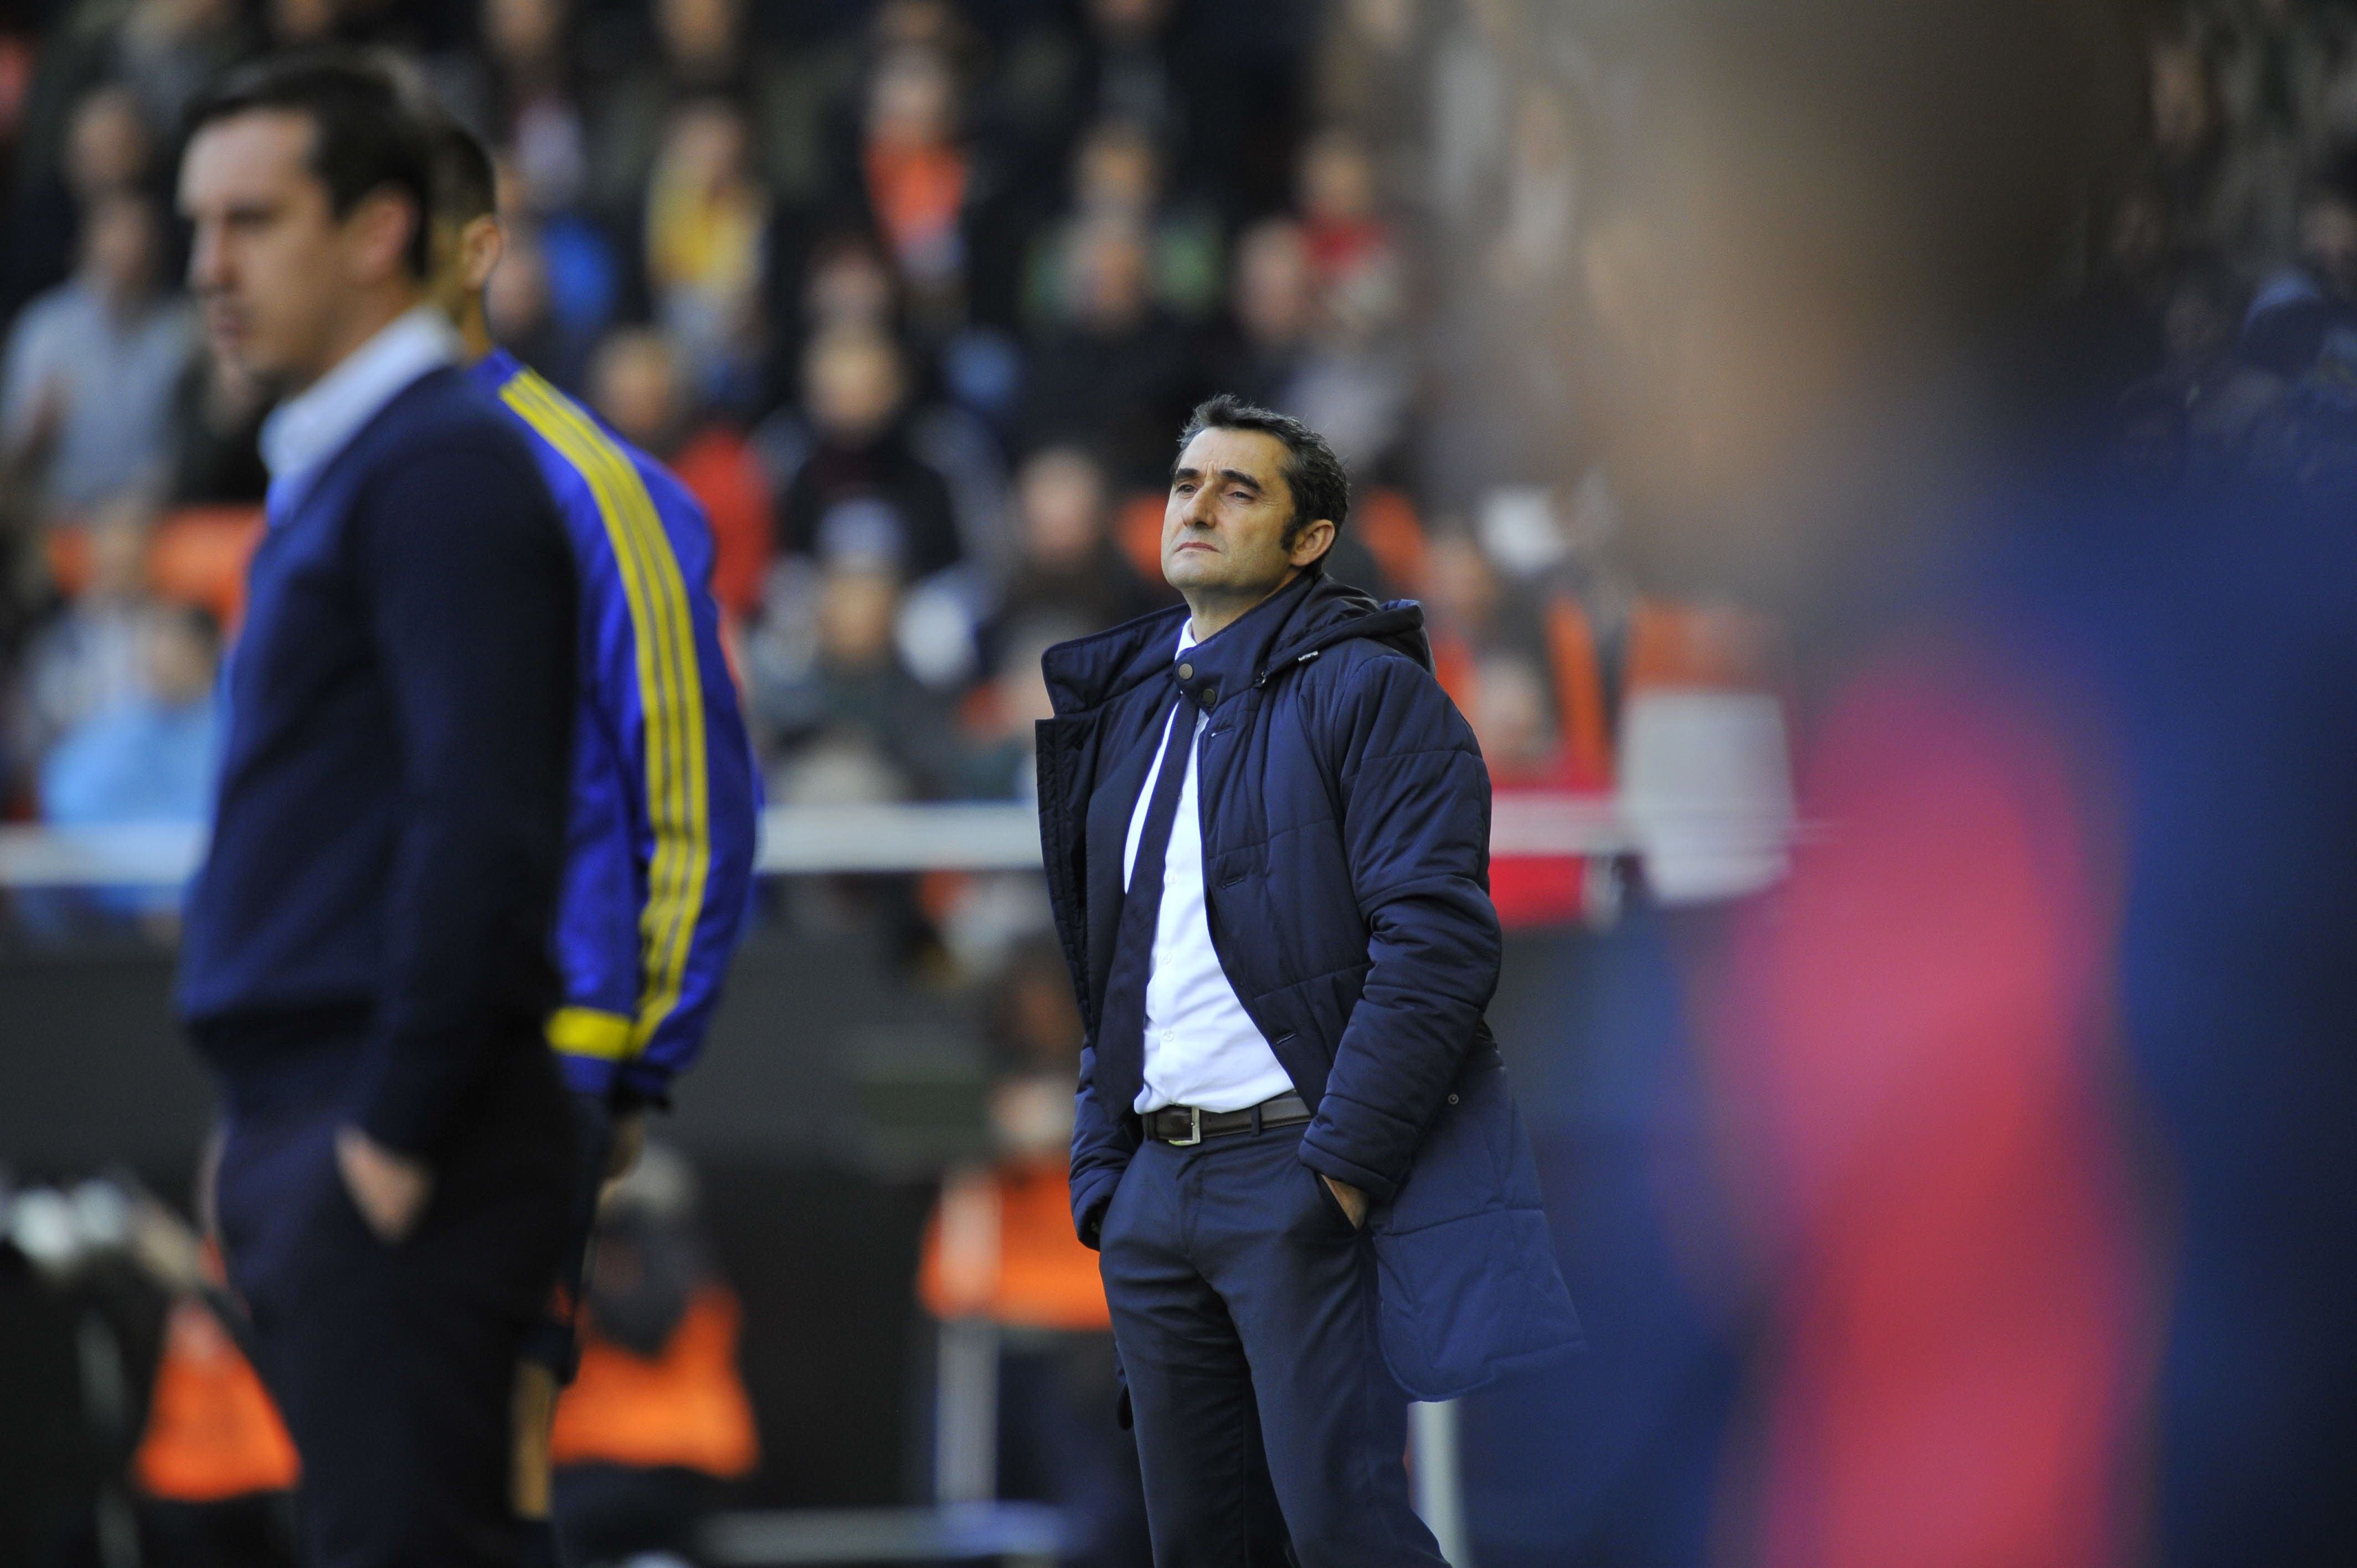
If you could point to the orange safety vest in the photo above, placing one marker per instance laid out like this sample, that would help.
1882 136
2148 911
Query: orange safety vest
683 1408
212 1431
1000 1245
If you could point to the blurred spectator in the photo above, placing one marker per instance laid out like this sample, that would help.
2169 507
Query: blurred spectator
106 144
707 214
1066 564
658 1417
2222 397
535 111
148 756
1340 223
520 302
852 468
2229 194
86 393
1117 371
1374 76
1356 381
88 659
1272 305
828 685
2299 304
915 174
1135 79
634 384
1117 173
701 48
1001 730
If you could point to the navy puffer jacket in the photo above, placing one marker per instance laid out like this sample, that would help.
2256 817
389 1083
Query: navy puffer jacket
1346 828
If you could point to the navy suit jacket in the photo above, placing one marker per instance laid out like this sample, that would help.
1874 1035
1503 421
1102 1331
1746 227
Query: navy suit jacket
392 796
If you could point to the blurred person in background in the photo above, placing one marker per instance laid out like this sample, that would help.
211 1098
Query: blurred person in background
2230 194
86 390
999 1247
534 100
845 719
659 844
700 48
635 385
1117 173
521 307
1066 564
150 759
1286 1079
104 145
1343 225
706 217
2298 307
1002 719
856 445
658 1421
916 174
1115 373
1272 302
365 960
87 657
2225 400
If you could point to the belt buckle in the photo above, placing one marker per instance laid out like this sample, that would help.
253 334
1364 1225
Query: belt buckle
1195 1129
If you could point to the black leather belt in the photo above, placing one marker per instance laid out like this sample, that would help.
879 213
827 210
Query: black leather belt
1187 1125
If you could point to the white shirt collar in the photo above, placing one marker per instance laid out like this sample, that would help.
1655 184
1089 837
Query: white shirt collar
1187 638
307 429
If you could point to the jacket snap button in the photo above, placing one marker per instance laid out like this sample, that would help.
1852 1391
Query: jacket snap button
1452 1100
1185 672
1211 695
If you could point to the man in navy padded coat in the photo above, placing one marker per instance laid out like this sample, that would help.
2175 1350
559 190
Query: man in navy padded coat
1266 833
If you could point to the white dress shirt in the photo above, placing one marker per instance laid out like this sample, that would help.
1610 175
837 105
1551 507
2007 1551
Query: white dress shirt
1202 1046
312 426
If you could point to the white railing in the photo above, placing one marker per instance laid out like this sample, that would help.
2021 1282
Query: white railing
803 840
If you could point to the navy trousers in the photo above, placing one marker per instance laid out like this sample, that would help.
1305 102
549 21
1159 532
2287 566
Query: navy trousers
394 1366
1244 1305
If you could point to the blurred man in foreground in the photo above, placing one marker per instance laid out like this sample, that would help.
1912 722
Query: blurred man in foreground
659 847
1266 833
365 962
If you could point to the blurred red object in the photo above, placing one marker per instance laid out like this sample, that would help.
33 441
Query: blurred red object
720 470
1916 1065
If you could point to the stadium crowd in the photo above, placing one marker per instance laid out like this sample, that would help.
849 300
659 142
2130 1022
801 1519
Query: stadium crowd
915 294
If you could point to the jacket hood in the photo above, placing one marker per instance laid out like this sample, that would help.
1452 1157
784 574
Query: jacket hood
1291 628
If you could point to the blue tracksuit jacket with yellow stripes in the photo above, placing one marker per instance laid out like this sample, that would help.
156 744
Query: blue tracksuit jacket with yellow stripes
659 854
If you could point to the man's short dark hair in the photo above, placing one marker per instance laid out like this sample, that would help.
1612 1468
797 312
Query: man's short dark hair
1320 488
365 136
466 185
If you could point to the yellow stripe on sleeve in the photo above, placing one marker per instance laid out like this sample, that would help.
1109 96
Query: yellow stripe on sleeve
670 695
587 1032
